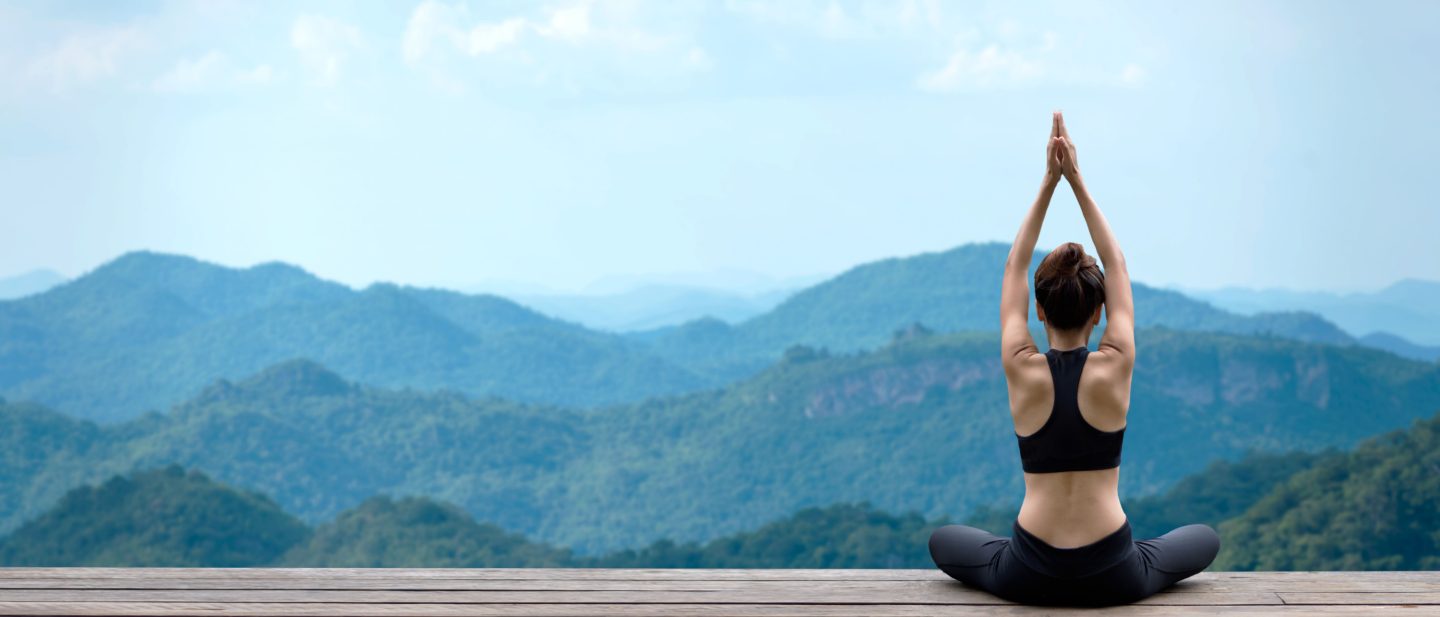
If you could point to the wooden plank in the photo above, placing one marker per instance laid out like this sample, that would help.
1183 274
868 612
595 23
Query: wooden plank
1199 584
678 610
1424 597
921 594
634 574
575 591
484 573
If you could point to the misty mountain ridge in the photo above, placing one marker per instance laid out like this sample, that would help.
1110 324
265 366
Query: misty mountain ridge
917 424
28 283
654 306
1405 308
147 329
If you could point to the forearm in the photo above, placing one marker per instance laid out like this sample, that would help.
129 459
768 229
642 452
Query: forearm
1106 246
1023 248
1014 293
1119 301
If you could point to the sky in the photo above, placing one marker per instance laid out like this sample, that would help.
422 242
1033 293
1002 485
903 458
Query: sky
562 145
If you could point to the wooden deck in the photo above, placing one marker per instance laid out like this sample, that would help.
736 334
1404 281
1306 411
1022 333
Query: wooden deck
311 591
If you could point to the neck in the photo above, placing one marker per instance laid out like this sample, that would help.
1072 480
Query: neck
1068 340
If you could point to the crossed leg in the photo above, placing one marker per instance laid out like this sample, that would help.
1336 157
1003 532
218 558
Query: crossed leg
967 554
1177 555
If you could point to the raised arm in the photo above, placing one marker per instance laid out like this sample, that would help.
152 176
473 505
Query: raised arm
1015 340
1119 337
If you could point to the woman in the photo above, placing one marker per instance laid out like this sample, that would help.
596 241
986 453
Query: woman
1071 543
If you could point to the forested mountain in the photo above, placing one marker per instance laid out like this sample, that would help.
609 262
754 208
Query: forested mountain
1405 307
163 517
417 532
1376 508
919 424
148 330
1372 508
653 306
32 282
842 535
1400 346
950 291
168 517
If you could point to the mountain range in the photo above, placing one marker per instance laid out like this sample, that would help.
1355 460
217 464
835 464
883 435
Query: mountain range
1404 309
148 330
918 424
1372 508
29 283
648 307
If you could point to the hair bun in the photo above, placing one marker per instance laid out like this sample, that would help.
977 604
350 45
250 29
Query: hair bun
1070 259
1069 286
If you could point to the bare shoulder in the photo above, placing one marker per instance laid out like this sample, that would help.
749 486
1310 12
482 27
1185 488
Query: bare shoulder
1109 365
1027 377
1104 394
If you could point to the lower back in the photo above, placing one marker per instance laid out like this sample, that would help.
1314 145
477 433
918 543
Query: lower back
1072 508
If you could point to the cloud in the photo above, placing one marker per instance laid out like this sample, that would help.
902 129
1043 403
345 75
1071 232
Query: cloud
987 68
582 42
1018 61
86 56
324 44
259 75
487 38
833 19
570 24
210 71
436 28
1132 75
950 47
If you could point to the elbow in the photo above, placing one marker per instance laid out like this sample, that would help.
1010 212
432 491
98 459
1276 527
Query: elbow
1014 264
1116 262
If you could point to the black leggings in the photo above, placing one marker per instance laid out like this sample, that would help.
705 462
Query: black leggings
1112 570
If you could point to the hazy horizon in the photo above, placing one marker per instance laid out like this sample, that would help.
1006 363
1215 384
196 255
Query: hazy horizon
559 144
735 281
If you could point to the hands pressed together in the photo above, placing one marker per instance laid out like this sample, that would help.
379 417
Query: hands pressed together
1060 153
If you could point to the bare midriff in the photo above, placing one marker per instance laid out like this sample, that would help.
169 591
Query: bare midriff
1069 509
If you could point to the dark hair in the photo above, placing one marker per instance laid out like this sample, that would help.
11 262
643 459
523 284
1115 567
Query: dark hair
1069 285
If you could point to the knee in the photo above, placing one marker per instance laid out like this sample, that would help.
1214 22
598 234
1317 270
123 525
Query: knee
1206 540
1196 547
960 545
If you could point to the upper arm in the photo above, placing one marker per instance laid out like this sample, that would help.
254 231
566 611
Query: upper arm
1016 343
1113 362
1118 341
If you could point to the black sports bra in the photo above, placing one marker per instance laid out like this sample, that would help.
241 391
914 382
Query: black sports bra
1067 442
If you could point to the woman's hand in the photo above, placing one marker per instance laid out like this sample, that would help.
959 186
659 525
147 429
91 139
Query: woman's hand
1054 170
1069 166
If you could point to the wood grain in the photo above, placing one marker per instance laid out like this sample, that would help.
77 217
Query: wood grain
569 591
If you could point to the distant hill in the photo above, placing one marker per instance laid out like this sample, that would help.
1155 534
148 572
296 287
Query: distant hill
29 283
1373 508
1401 347
169 517
163 517
842 535
1405 309
417 532
653 306
147 330
950 291
918 424
1377 508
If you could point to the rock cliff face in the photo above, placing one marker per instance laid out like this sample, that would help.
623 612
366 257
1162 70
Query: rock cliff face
894 387
1246 381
